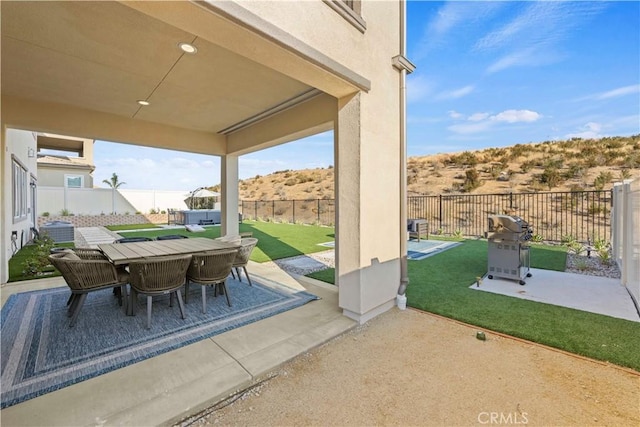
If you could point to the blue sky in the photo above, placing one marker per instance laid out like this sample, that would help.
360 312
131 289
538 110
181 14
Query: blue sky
489 74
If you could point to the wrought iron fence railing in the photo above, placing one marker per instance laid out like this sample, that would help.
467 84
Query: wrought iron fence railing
310 211
584 215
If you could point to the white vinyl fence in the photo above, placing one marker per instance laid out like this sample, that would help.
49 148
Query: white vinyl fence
97 201
626 234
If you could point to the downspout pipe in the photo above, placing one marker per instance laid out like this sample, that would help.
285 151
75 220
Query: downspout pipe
405 66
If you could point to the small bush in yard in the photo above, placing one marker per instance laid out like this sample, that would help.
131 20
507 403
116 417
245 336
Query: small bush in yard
38 262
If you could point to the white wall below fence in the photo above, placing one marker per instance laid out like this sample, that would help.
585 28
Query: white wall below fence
97 201
626 234
145 200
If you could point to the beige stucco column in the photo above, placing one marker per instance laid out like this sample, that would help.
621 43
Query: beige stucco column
367 176
229 195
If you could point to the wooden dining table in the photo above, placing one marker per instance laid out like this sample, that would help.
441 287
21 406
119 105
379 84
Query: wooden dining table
125 253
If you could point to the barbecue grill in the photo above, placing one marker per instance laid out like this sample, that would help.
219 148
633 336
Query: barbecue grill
508 254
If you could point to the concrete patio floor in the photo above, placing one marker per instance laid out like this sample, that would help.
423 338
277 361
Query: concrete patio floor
164 389
595 294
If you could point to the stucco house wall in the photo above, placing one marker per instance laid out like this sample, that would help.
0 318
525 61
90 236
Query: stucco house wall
291 69
18 146
53 175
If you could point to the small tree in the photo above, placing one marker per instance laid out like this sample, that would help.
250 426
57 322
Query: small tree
114 183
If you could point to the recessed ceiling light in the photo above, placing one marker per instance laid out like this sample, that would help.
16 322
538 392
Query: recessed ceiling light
188 48
143 102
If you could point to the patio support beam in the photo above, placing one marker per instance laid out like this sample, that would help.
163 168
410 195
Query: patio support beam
55 118
308 118
229 195
367 266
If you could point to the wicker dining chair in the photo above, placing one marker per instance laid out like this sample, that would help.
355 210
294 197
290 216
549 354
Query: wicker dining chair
87 275
211 268
133 239
172 237
96 255
158 276
242 258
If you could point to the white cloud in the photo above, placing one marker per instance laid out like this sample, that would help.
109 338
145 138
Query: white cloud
455 115
208 164
451 19
482 122
250 167
530 37
621 91
182 163
515 116
476 117
532 57
466 128
588 131
456 93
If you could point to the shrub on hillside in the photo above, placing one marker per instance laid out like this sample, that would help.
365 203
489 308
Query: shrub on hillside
471 181
551 177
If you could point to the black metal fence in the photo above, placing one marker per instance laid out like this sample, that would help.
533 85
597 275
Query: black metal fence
583 215
311 211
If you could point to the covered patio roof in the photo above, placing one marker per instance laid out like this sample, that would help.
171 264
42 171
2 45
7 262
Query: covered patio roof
80 68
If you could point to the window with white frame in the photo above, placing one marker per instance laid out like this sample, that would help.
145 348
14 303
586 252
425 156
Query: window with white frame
19 189
74 181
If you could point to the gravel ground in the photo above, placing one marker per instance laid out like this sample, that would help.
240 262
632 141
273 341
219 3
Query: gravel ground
417 369
593 266
410 368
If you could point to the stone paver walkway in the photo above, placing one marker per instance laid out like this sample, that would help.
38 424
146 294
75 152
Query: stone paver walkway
91 237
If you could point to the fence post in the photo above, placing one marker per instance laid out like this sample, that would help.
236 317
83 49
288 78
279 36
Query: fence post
440 209
255 210
318 211
293 210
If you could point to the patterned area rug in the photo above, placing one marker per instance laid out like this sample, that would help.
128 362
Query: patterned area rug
40 353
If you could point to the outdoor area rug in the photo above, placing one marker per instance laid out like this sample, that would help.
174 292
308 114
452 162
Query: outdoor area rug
41 354
425 248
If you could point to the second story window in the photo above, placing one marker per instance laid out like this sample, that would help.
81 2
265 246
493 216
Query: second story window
73 181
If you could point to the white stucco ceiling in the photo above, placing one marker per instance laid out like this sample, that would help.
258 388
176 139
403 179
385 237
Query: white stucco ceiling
104 56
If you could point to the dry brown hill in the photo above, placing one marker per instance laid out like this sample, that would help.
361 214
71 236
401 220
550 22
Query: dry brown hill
548 166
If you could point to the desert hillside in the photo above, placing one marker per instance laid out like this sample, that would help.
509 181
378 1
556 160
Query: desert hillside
574 164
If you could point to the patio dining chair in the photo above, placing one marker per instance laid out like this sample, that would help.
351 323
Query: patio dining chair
87 275
172 237
158 276
242 258
96 255
211 268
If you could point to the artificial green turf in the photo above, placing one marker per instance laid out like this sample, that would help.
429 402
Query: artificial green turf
275 240
326 275
131 227
16 261
440 284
